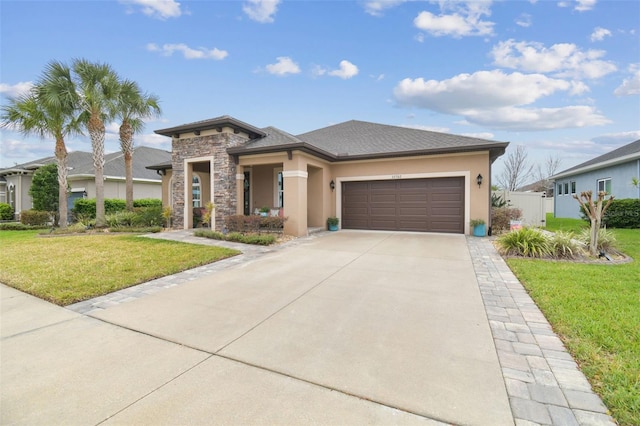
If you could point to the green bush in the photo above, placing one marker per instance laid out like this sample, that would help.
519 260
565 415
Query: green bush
147 202
35 217
138 229
527 242
272 223
623 213
237 237
564 245
17 226
243 224
148 216
6 212
207 233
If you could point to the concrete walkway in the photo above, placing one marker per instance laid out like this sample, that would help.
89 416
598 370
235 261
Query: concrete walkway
342 328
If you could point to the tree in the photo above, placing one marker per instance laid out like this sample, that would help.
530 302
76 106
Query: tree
595 212
97 87
48 110
44 188
545 171
517 170
132 107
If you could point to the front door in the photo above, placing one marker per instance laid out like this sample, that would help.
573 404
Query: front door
247 193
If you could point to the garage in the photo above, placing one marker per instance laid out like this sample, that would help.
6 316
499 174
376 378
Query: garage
426 205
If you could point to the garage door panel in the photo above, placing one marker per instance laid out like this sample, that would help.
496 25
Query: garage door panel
430 205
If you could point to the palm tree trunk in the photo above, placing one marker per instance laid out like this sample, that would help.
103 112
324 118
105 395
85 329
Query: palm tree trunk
61 156
126 143
96 133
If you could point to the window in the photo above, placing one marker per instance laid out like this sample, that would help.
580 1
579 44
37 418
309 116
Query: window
559 189
604 185
196 191
573 187
566 188
279 188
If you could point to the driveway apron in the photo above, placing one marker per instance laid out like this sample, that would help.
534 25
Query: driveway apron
395 320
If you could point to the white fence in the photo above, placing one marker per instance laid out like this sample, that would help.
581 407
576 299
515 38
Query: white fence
532 205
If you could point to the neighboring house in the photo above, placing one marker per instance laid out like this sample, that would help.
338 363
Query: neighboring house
371 176
612 172
15 181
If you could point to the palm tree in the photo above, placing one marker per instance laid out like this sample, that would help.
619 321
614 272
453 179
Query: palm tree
97 86
48 110
132 107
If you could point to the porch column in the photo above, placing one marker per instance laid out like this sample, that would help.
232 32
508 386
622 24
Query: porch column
295 196
240 190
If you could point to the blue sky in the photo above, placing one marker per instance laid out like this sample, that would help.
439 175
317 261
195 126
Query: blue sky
561 78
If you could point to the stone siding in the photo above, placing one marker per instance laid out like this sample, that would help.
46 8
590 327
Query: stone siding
223 177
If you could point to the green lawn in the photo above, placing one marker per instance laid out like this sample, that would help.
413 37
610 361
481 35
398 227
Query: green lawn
596 311
68 269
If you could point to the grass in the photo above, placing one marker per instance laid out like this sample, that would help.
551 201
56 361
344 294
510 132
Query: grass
69 269
596 311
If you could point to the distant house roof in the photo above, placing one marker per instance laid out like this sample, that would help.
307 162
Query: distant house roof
354 139
623 154
80 163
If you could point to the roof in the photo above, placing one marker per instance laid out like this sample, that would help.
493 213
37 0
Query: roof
620 155
81 163
213 123
360 139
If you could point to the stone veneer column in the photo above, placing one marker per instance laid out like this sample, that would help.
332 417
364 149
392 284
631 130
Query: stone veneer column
223 175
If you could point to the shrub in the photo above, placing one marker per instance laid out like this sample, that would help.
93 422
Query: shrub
6 212
139 229
564 245
234 223
256 239
44 189
207 233
35 217
148 216
606 240
17 226
272 223
244 224
147 202
501 218
623 213
528 242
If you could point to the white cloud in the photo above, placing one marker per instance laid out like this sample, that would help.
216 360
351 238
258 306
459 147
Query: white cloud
620 138
261 10
580 5
600 33
18 151
480 135
284 66
15 90
524 20
377 7
378 77
188 52
466 20
160 9
427 128
562 59
630 86
496 99
346 70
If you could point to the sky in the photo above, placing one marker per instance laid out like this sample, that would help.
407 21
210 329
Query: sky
561 78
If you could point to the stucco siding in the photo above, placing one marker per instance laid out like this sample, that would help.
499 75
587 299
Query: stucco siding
621 187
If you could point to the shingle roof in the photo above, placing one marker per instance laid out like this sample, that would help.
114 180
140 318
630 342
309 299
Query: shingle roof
360 139
212 123
81 163
609 157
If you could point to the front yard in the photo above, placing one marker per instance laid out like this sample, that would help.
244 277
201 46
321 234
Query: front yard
595 309
69 269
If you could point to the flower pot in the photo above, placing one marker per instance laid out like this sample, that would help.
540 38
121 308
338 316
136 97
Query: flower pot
480 230
333 227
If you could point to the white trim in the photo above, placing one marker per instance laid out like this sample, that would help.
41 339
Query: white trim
276 189
601 165
466 174
240 176
295 173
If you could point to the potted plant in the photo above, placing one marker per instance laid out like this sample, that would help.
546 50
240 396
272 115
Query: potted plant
264 211
332 223
479 227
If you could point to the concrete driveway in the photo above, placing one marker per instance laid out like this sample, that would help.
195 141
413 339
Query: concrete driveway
347 328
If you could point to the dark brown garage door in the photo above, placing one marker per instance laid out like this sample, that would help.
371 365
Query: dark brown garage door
429 205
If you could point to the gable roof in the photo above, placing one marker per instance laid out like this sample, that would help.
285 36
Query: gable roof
623 154
355 139
80 163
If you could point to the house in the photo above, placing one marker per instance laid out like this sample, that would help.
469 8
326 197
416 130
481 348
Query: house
371 176
15 181
612 172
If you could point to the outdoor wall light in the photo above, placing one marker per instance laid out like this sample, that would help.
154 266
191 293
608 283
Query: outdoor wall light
479 180
332 185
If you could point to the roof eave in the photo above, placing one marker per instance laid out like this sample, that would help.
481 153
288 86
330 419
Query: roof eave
212 124
596 166
300 146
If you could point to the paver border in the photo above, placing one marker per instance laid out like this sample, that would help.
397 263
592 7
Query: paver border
543 381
